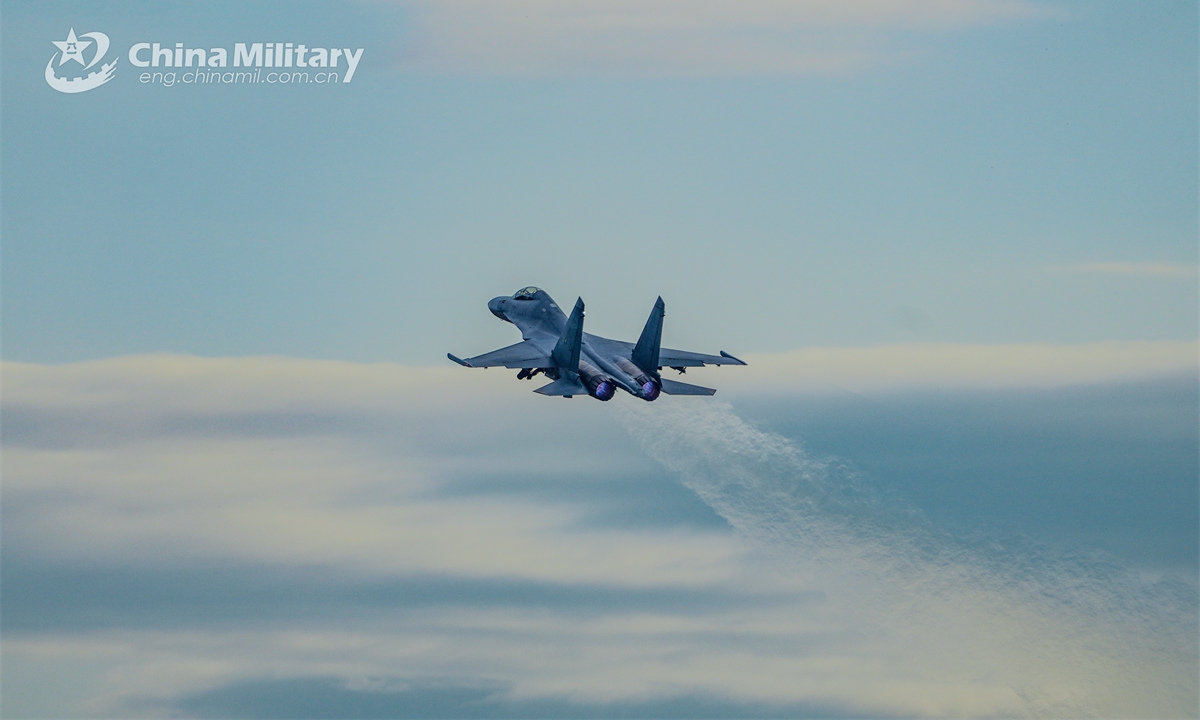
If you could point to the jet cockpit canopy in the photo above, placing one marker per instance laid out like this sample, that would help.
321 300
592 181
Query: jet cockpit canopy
528 293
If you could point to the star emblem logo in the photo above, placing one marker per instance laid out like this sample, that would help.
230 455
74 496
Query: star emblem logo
72 48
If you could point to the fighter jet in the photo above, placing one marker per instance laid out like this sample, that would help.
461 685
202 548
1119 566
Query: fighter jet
580 363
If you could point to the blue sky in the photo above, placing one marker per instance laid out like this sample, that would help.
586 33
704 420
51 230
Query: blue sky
949 189
957 242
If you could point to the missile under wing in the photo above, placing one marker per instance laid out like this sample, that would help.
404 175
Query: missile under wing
578 363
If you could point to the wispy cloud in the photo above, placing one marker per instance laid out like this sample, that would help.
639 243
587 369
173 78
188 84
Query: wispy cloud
948 365
1052 636
1139 269
678 37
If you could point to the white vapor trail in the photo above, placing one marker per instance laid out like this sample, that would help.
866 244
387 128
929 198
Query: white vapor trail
942 627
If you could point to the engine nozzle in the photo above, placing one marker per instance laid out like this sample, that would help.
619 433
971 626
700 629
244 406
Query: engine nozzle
603 390
599 385
650 391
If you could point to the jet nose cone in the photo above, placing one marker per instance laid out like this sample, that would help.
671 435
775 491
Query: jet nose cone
495 306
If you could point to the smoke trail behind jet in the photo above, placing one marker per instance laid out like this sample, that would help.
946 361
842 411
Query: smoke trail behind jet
960 628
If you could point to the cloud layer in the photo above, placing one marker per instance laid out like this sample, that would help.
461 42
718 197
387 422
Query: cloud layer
678 38
949 365
211 536
1141 269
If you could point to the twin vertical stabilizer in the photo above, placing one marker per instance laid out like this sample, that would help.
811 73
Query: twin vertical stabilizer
566 352
566 357
645 353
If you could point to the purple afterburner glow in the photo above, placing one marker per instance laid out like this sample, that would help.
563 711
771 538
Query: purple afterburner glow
605 390
650 390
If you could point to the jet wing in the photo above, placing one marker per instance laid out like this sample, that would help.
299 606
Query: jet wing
682 358
524 354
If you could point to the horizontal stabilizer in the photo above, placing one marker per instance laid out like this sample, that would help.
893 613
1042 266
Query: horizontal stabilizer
672 387
565 387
